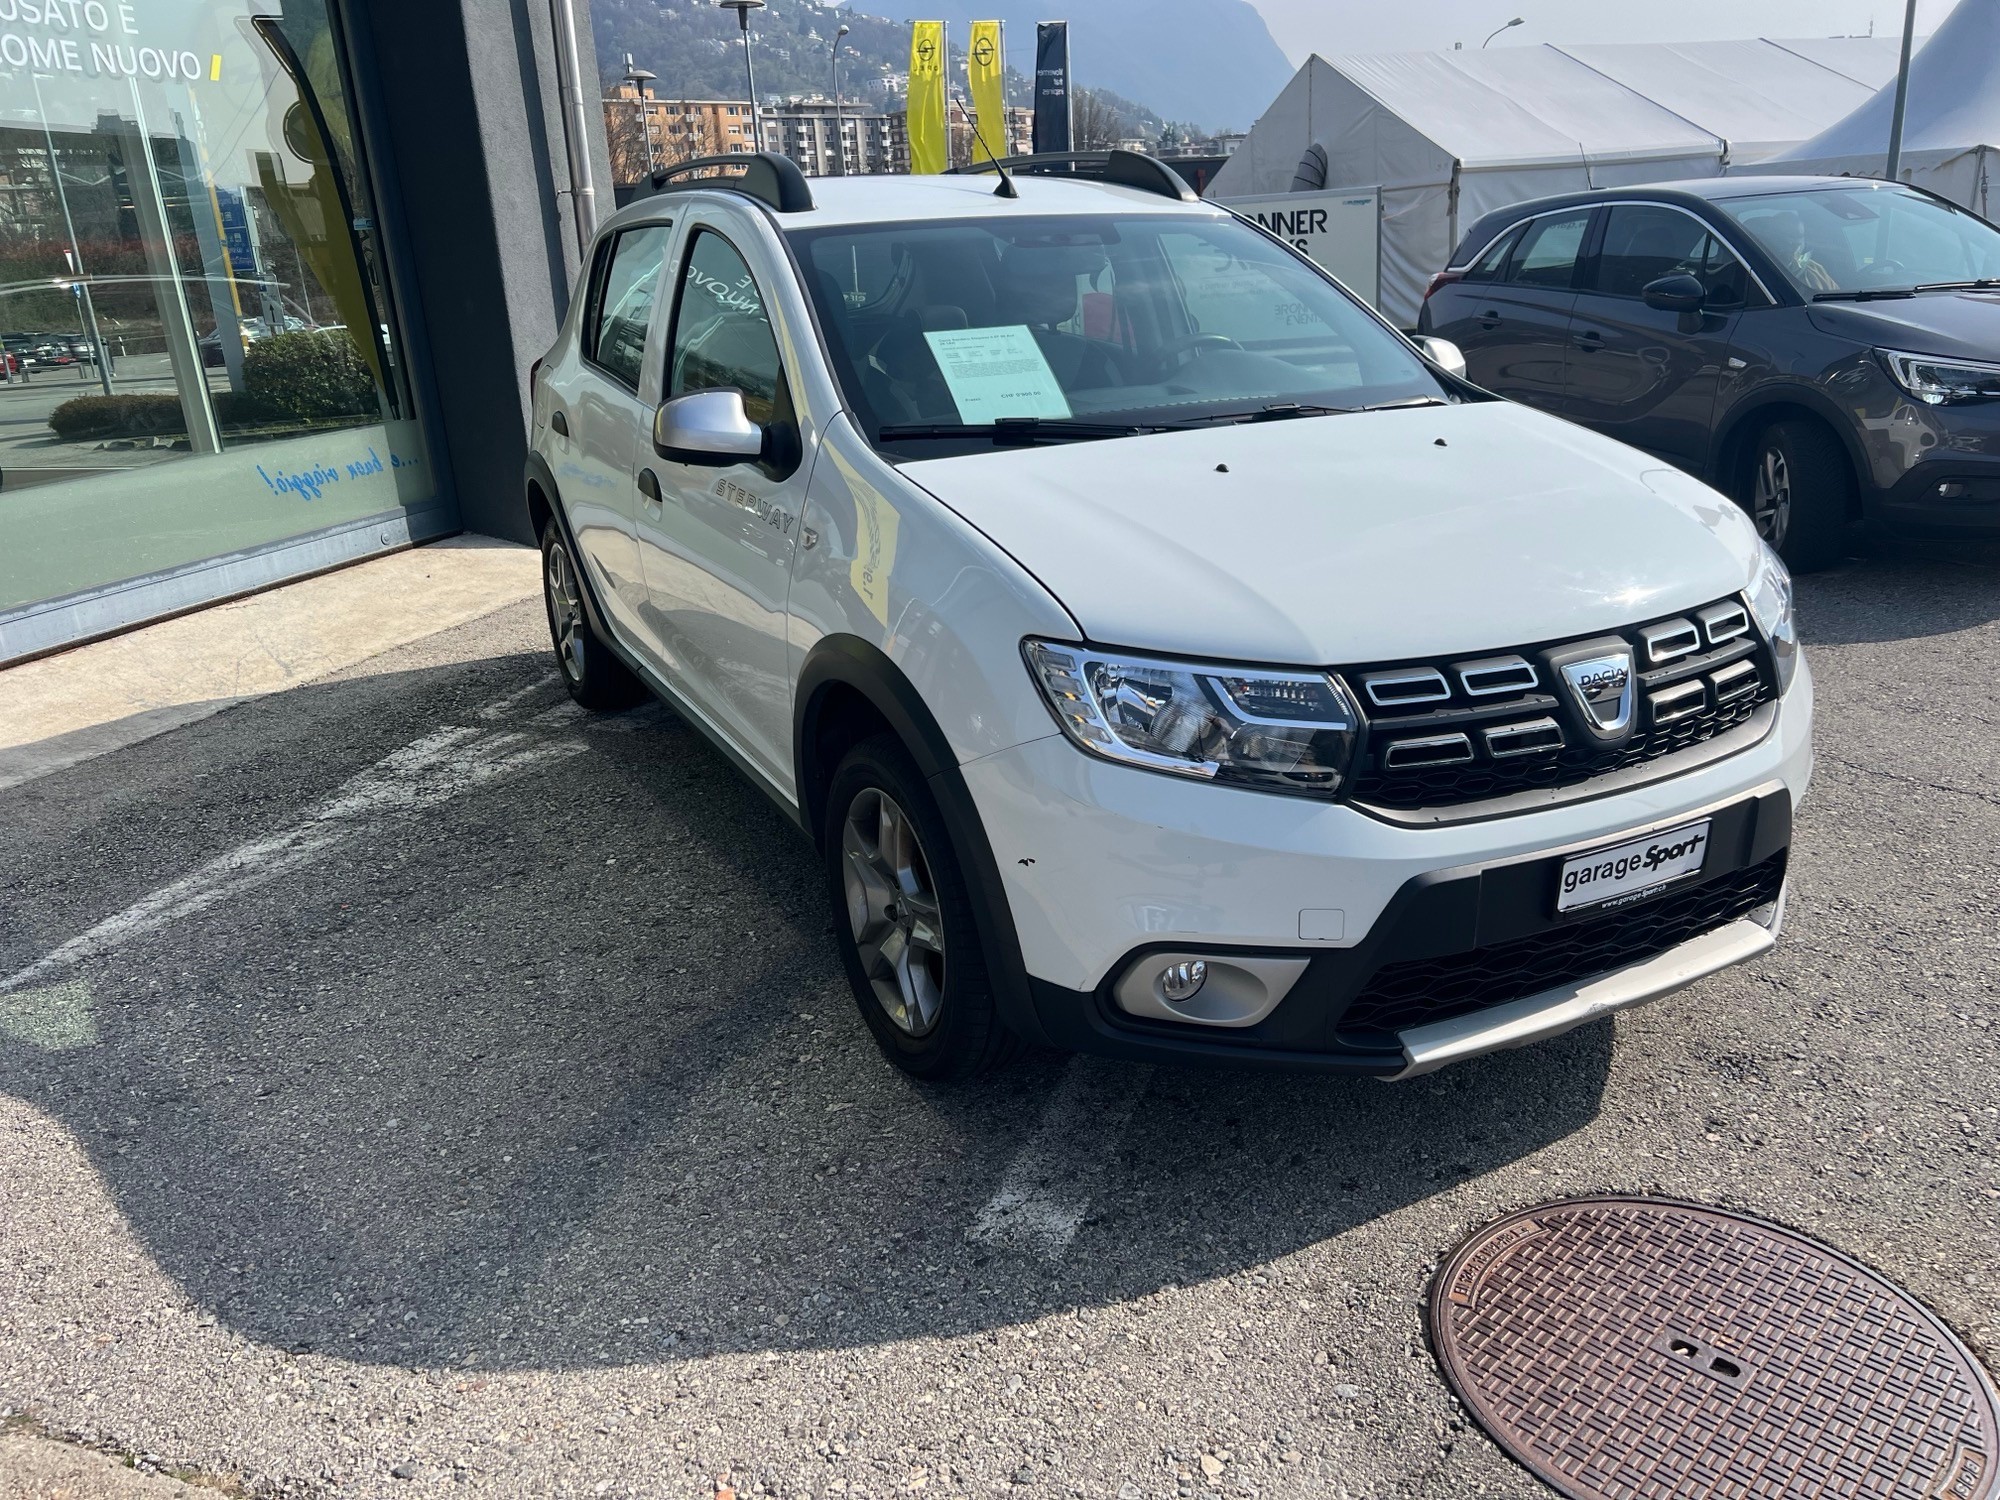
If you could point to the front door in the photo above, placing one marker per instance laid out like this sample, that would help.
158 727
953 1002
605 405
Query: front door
1646 377
717 543
1515 333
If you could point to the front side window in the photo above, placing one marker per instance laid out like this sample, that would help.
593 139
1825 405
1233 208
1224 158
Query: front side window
936 328
624 304
722 334
1845 240
1644 242
1546 253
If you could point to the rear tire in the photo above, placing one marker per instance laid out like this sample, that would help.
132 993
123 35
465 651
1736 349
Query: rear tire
1798 488
903 919
591 671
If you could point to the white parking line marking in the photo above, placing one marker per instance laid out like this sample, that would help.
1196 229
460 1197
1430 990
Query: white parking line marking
421 775
1047 1191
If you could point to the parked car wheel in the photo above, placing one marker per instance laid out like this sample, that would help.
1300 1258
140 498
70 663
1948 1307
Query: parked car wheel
1797 488
903 919
594 676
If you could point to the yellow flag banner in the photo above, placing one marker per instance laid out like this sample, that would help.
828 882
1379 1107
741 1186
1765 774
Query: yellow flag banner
930 149
986 63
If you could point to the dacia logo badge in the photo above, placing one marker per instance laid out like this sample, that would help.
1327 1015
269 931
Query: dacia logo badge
1602 687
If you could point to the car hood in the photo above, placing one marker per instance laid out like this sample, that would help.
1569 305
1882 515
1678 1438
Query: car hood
1366 537
1962 324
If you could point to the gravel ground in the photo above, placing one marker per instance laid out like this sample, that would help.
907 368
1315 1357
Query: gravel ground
408 1086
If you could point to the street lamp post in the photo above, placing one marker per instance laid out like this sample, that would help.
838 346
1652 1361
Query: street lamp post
839 146
639 77
1517 21
743 9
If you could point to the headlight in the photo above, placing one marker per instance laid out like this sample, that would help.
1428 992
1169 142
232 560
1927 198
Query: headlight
1276 731
1937 381
1771 603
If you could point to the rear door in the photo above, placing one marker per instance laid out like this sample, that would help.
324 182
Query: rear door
598 412
1514 328
1646 377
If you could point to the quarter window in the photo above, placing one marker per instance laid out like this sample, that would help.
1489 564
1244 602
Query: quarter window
624 306
722 337
1545 255
1490 265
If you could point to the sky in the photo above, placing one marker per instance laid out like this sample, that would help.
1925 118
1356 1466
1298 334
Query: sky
1306 26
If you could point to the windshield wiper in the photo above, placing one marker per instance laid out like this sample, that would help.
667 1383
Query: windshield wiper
1871 294
1983 284
1022 431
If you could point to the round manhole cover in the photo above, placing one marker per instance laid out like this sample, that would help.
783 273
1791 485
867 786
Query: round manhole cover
1631 1348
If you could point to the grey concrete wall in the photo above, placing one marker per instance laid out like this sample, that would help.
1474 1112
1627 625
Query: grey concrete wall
469 98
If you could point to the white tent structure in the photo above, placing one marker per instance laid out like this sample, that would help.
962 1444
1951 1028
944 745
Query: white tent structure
1951 128
1447 136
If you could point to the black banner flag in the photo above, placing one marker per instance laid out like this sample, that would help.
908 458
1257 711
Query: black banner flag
1052 113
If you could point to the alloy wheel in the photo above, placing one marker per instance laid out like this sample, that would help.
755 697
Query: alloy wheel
565 611
1771 498
893 910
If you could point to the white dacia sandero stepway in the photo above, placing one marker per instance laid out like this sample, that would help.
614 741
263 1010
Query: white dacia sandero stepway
1167 657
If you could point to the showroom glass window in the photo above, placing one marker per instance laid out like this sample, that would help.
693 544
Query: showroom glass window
193 289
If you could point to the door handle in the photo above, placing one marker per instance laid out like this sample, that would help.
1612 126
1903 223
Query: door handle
1590 341
560 423
649 485
1490 319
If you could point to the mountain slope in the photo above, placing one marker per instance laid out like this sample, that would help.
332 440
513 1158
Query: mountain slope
1211 62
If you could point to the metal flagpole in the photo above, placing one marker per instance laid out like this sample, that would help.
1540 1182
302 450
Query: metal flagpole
1902 95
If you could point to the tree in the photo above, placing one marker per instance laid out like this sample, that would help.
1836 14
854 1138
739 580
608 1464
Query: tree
1094 124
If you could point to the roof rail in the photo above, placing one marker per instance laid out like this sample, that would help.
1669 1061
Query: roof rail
1133 169
764 175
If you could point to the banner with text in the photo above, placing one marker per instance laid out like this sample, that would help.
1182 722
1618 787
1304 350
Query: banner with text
985 65
930 146
1052 119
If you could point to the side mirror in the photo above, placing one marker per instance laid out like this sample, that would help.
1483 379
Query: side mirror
1678 293
1443 353
709 428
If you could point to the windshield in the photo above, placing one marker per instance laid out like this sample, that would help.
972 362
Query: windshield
1844 241
1088 326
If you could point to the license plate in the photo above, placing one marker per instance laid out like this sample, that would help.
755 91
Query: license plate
1632 871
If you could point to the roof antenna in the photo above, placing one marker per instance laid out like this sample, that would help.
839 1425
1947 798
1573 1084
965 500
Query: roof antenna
1006 188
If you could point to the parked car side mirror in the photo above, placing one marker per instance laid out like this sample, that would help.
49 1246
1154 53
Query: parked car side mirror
1443 353
709 428
1678 293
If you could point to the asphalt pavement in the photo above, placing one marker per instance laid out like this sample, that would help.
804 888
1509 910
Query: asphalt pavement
411 1085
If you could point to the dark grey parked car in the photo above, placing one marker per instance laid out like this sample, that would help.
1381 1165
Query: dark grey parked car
1825 349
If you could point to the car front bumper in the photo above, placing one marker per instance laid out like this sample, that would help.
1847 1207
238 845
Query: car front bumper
1105 867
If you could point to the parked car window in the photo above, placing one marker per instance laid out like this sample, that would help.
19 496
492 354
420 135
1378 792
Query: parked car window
1853 240
1545 255
1726 280
1642 243
1490 265
722 334
624 304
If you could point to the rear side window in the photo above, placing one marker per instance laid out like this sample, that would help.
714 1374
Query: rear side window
1642 243
615 340
1545 255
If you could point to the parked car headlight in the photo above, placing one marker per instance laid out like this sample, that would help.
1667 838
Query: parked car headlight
1771 603
1939 381
1247 726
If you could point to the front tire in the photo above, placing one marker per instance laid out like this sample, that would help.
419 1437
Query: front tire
595 677
1798 489
903 919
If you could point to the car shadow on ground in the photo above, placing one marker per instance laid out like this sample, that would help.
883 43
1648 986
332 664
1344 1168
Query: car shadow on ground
558 1068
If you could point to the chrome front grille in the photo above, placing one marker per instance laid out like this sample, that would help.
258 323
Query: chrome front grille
1444 733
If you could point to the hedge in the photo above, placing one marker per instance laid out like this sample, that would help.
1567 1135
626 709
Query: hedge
311 376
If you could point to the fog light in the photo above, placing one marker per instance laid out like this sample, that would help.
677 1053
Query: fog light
1183 981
